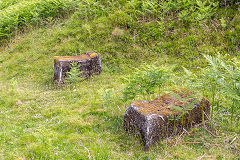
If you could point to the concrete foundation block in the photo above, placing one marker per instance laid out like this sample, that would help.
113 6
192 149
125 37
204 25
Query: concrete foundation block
89 63
165 116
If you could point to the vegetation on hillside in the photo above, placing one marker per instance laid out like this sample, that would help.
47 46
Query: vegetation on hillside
157 45
14 17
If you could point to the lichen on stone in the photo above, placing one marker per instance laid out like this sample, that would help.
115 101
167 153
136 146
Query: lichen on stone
173 103
72 58
93 55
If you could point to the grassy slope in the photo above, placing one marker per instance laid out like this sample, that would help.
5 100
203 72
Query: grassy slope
40 121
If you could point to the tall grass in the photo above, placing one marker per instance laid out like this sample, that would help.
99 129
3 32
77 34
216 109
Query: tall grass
31 12
6 3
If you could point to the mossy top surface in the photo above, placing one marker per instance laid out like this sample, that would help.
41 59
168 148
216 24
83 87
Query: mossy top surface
169 104
75 58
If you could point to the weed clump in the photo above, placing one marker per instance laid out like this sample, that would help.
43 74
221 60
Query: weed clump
144 82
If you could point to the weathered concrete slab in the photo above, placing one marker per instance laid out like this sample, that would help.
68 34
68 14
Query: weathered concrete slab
89 63
165 116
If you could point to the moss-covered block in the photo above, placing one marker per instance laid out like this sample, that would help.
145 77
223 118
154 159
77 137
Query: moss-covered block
89 63
166 116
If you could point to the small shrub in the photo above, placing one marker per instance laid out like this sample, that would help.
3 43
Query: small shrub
144 82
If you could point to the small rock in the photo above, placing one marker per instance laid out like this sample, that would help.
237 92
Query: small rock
165 116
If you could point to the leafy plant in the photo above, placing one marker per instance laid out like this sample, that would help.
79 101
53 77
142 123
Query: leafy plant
221 79
190 10
74 75
223 22
188 102
206 9
144 82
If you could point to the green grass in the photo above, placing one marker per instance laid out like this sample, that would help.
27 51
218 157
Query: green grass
6 3
41 122
84 120
25 13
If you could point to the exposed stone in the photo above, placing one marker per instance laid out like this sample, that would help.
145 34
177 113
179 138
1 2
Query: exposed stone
89 63
165 116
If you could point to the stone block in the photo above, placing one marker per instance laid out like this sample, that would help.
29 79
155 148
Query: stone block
165 116
89 63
